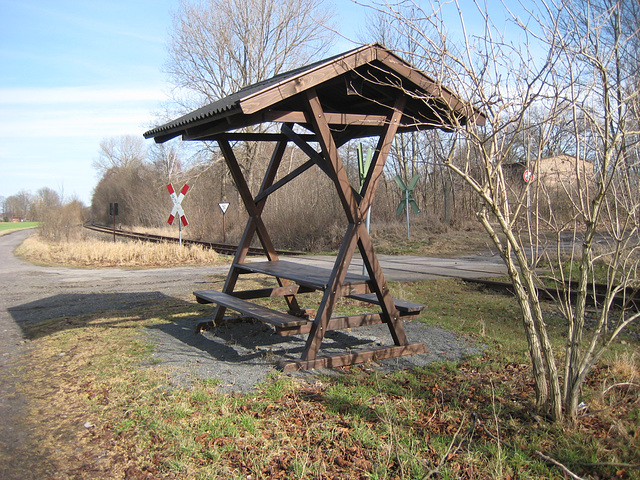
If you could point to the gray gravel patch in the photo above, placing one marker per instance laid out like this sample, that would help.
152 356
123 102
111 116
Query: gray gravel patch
240 354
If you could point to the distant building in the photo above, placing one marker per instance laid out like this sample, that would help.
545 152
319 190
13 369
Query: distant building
560 171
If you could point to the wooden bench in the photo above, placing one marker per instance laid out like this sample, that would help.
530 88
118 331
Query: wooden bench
404 307
312 278
307 279
264 314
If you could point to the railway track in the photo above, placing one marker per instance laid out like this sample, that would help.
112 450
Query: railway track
221 248
629 299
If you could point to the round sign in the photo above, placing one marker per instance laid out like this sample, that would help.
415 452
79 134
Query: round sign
527 176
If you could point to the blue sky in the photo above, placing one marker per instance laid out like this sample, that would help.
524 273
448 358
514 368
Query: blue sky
74 72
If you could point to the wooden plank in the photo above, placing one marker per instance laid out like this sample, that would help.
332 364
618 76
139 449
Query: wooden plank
333 118
244 137
353 358
336 323
270 292
310 78
342 323
313 277
264 314
402 306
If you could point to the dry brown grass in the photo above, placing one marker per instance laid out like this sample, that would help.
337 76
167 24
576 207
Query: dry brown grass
392 239
97 253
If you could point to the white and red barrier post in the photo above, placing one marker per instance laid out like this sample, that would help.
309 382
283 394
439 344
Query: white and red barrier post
177 210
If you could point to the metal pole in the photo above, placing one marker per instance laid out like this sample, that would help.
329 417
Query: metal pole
224 230
114 223
406 205
180 231
367 223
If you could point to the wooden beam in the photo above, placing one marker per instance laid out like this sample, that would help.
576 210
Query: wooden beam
354 358
307 80
246 137
333 118
317 119
379 159
284 180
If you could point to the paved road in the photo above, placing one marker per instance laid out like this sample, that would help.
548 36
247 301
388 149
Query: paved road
30 294
412 268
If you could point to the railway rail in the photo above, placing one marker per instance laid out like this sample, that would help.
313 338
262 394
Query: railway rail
629 299
221 248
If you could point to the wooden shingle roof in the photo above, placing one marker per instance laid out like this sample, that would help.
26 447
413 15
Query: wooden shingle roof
356 89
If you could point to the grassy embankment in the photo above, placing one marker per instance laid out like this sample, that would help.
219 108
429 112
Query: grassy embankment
8 227
93 381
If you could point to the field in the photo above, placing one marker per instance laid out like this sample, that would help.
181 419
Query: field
95 384
99 252
7 227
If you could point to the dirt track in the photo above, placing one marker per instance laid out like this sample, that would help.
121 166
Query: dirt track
239 355
31 294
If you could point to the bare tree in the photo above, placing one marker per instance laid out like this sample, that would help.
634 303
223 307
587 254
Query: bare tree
167 160
45 201
221 46
18 205
120 152
567 70
218 47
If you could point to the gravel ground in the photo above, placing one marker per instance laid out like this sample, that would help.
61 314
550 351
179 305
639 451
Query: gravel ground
240 354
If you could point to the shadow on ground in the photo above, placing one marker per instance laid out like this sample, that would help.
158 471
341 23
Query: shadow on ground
238 353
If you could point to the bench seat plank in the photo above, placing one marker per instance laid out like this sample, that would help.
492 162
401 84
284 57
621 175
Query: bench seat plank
264 314
403 306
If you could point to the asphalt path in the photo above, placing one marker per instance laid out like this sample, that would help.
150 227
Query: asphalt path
239 355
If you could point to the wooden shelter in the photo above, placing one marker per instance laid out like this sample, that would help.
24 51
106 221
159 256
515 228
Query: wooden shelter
365 92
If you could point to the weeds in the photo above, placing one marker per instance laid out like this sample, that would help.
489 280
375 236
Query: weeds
90 252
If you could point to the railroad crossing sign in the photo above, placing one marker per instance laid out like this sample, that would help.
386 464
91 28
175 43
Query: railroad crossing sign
407 195
177 210
407 198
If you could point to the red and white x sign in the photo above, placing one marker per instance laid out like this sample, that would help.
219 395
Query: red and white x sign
177 210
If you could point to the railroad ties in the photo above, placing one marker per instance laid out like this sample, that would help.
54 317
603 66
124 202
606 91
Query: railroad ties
221 248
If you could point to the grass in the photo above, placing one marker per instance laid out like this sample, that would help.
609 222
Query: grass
8 227
392 240
91 252
470 419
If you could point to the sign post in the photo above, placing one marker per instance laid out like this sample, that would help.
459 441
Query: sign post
363 169
113 211
177 210
407 197
223 206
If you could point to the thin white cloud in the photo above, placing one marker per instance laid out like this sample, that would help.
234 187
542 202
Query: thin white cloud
72 95
88 122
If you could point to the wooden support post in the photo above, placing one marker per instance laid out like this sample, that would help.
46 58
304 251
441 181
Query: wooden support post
254 224
355 208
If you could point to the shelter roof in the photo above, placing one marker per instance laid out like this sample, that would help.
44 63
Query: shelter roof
357 90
